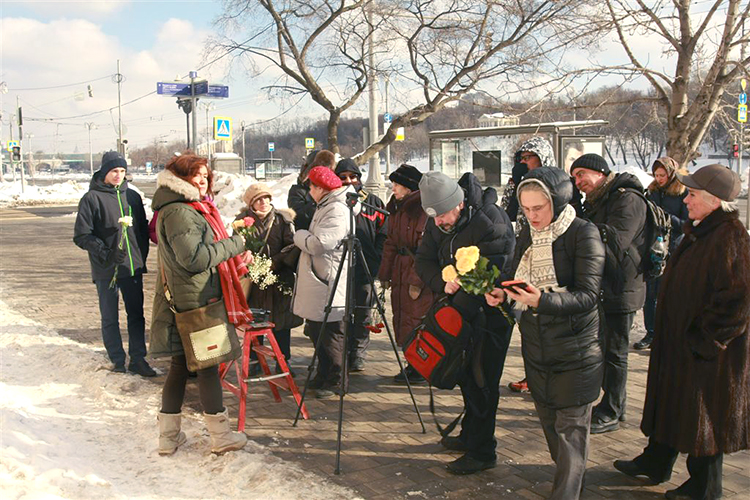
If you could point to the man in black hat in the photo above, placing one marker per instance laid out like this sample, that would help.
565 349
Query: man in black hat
698 389
371 230
112 227
614 205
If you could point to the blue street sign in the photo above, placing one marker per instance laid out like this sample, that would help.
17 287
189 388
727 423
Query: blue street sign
271 147
180 89
217 91
387 117
222 128
743 98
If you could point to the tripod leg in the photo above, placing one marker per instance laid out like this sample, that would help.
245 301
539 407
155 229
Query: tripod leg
381 309
319 339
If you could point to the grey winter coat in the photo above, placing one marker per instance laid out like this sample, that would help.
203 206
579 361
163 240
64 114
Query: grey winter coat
189 256
98 232
319 260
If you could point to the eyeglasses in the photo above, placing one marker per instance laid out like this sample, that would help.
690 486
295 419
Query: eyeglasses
527 157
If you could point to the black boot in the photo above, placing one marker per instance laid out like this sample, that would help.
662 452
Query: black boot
645 342
468 465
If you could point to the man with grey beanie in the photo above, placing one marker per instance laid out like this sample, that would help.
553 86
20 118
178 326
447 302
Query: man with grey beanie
462 214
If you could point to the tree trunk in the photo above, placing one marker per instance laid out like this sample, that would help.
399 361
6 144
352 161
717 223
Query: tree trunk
333 131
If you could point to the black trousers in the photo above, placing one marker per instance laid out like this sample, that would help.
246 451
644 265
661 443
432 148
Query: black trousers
478 424
705 472
131 289
359 336
209 388
330 353
615 342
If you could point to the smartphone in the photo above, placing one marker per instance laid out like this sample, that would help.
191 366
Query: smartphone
520 284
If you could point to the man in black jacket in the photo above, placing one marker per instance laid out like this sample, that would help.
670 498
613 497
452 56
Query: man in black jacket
371 230
463 215
117 253
613 204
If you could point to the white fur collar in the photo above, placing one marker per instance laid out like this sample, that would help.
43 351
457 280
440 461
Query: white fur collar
180 186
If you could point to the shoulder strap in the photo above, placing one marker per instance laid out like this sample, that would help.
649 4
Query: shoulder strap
167 293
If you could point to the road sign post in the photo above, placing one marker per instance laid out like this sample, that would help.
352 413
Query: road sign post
743 102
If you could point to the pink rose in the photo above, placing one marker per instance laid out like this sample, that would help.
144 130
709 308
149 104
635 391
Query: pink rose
249 221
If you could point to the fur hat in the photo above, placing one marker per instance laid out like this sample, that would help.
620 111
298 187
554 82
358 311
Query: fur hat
254 192
407 176
440 193
717 179
591 161
110 160
324 177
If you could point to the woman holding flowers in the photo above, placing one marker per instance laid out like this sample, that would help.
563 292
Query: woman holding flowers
201 264
560 260
275 231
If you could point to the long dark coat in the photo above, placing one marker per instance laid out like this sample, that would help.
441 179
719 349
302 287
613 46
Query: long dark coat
698 391
410 298
281 236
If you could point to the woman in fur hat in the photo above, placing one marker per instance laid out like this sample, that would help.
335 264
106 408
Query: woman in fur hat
668 193
275 227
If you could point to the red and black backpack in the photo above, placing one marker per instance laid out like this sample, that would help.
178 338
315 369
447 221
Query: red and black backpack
439 348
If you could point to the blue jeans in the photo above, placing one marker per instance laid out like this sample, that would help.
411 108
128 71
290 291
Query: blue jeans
132 295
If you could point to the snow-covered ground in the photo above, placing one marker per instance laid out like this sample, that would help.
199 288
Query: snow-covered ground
73 429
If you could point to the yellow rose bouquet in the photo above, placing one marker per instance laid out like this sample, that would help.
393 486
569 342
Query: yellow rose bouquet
472 271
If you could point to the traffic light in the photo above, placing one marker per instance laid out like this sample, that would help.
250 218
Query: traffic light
16 153
735 150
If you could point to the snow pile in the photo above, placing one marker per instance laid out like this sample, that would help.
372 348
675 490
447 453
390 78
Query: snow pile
80 431
229 188
64 193
644 177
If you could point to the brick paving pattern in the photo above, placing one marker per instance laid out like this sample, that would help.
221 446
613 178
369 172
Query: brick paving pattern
44 276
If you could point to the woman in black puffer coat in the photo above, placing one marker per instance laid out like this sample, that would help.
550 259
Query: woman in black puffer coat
668 193
561 258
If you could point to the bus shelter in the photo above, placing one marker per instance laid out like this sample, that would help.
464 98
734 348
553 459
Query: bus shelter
489 152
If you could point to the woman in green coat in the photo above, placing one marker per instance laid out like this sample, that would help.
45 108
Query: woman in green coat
190 253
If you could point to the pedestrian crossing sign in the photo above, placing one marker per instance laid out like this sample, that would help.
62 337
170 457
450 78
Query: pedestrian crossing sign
222 128
12 144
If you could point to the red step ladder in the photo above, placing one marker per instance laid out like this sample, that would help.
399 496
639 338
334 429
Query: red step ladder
250 334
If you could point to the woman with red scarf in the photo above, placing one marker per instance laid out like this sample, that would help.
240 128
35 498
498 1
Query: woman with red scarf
201 264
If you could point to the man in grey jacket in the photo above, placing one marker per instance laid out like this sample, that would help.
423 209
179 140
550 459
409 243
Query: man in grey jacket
320 256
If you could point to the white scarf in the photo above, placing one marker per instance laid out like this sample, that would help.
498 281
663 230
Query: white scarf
537 265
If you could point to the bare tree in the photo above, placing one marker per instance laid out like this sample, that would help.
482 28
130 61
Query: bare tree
705 58
437 51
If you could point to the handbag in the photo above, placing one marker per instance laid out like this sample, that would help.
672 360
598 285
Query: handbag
207 336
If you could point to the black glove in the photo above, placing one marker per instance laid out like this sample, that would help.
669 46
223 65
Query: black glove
120 256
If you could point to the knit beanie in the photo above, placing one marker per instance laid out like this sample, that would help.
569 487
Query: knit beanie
323 177
591 161
254 192
407 176
440 193
110 160
542 148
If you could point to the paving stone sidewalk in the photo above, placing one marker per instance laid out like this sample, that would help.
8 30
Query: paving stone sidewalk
385 455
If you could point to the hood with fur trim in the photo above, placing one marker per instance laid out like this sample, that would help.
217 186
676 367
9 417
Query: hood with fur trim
542 148
172 189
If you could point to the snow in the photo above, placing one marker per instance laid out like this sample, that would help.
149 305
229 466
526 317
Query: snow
63 193
644 177
80 431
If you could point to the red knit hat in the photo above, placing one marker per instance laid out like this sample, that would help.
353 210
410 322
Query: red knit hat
323 177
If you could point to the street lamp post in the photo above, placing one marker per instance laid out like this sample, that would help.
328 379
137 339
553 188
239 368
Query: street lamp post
209 106
89 126
244 162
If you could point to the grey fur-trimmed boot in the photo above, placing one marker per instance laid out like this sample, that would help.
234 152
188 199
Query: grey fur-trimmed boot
170 436
223 439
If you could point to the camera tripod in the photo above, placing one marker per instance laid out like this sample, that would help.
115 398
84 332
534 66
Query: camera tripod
352 249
